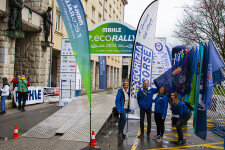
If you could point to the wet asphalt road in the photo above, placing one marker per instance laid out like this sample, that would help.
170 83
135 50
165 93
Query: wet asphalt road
24 120
107 137
109 140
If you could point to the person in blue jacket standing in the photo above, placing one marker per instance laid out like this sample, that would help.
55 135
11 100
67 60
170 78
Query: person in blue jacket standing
144 99
122 108
179 107
161 106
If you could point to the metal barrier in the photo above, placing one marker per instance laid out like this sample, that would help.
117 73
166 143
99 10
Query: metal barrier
217 112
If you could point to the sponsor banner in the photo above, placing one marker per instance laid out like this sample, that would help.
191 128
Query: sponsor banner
68 64
143 54
102 72
111 38
70 77
51 94
35 96
162 54
68 81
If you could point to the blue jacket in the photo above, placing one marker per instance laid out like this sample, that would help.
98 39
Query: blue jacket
161 104
120 97
181 109
145 99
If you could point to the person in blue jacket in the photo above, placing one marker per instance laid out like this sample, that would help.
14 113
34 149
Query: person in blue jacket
144 99
122 108
161 106
179 107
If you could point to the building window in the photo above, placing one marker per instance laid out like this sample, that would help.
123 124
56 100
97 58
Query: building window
114 17
93 13
117 17
58 22
99 17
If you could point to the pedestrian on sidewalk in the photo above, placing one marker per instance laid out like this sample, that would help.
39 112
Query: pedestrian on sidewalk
122 108
161 106
15 84
23 85
179 107
4 94
144 99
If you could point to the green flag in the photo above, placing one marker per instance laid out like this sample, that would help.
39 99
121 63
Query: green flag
76 26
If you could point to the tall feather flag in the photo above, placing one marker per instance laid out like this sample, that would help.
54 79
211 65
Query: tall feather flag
141 64
76 26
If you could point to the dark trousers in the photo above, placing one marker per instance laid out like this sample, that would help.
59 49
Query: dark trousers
148 113
181 123
122 121
160 124
20 96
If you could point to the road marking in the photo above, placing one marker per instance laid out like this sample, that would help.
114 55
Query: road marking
136 141
210 145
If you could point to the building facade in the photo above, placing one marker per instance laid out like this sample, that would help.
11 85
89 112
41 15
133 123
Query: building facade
28 55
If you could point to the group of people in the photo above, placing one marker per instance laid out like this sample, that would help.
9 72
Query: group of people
145 100
22 83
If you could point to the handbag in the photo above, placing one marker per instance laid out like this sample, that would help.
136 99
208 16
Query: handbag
115 112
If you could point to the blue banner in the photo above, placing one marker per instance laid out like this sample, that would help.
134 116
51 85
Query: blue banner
102 72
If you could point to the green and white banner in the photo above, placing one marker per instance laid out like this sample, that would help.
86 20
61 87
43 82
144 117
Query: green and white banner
76 26
111 38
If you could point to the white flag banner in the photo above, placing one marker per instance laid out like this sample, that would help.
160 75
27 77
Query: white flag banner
142 55
163 54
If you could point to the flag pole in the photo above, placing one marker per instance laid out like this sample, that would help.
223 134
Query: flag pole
131 65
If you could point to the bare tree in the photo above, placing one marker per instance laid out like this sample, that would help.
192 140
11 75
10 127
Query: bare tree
204 20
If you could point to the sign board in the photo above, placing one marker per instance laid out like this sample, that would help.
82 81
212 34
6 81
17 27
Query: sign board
111 37
35 96
51 94
70 78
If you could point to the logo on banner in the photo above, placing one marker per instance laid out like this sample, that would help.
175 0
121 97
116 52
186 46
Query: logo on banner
142 67
158 46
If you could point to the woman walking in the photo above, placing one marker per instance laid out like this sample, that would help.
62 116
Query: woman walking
161 106
179 107
122 108
5 93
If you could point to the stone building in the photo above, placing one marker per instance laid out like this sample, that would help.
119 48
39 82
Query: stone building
27 55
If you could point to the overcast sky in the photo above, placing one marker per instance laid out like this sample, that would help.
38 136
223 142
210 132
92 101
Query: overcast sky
168 13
